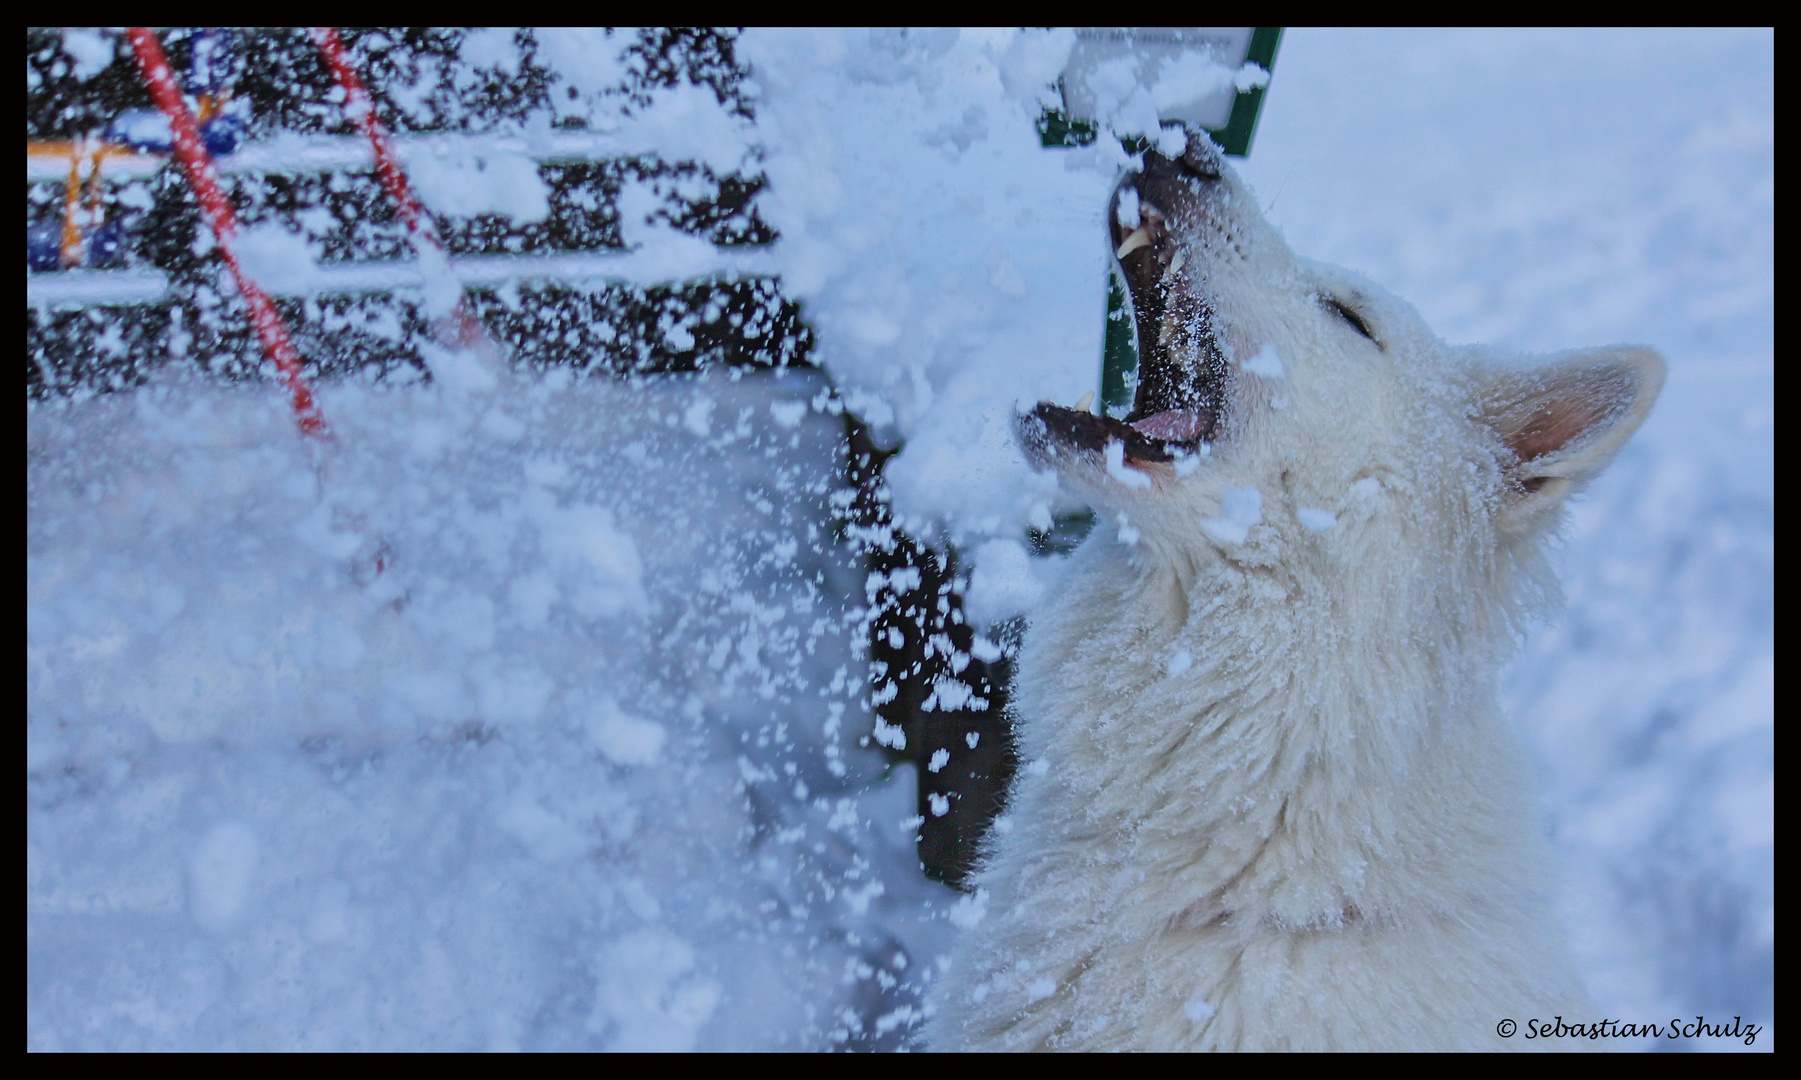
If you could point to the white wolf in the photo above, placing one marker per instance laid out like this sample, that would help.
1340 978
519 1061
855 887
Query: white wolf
1269 800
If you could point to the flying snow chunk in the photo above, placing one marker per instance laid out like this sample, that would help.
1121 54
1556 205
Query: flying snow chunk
1241 508
940 758
90 49
1003 584
465 184
277 260
1127 211
1119 470
493 47
587 59
1266 363
1250 76
968 911
697 417
941 804
1198 1011
625 740
788 413
1316 519
1185 79
1041 989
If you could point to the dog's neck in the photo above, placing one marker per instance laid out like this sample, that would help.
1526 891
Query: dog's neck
1241 741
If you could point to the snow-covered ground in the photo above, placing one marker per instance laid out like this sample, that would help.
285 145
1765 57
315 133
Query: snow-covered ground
581 766
578 768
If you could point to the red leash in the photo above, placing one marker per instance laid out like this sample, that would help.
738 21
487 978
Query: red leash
468 331
198 163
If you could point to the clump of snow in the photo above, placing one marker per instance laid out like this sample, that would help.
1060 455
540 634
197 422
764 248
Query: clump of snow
1267 363
954 269
465 183
1239 509
969 911
1127 533
276 259
1316 519
623 739
1115 457
89 49
492 47
1006 582
591 61
1131 94
1126 210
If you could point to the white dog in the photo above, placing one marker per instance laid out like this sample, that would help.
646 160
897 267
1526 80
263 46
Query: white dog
1269 801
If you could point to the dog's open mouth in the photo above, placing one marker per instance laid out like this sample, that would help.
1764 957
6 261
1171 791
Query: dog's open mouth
1182 371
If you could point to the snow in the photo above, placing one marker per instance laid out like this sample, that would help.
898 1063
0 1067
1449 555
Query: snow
580 768
491 47
504 793
91 50
1115 457
1006 580
277 260
1316 519
466 184
590 60
1239 508
1267 363
947 261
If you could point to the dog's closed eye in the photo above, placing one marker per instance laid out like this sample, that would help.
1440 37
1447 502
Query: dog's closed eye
1348 315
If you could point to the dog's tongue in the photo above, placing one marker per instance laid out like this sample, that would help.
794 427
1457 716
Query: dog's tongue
1173 425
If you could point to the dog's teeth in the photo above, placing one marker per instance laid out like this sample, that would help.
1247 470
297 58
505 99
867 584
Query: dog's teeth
1087 402
1175 267
1141 237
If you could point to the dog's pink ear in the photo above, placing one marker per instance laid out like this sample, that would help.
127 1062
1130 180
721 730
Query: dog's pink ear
1564 419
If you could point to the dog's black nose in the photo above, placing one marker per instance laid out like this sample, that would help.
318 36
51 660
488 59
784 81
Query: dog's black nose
1200 158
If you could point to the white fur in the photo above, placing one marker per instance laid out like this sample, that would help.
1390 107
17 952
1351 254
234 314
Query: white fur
1270 800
